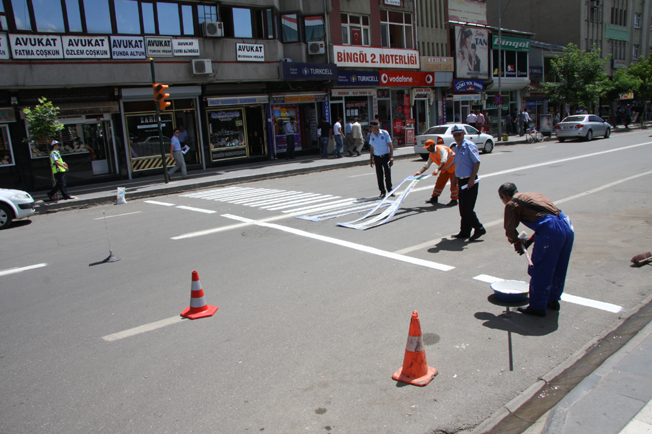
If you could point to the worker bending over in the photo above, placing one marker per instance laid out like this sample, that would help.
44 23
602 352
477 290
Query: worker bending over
443 157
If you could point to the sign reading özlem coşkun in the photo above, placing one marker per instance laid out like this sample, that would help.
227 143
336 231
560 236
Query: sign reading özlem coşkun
350 56
36 46
86 47
127 47
158 46
250 52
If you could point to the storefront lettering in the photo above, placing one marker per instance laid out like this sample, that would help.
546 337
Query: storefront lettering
166 43
85 42
36 42
387 59
127 43
250 48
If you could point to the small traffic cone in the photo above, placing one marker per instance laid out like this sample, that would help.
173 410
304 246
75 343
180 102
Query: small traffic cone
415 368
198 307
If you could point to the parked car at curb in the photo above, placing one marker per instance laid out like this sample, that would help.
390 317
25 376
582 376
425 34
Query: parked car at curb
582 127
14 205
441 134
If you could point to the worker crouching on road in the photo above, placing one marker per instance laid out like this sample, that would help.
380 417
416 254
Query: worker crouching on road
443 157
553 242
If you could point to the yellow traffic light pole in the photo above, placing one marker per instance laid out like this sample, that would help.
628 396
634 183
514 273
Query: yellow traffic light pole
160 104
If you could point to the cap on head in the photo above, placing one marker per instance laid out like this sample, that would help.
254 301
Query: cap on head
54 142
374 123
456 129
429 143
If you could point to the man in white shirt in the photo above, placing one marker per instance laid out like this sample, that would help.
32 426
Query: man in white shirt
348 137
471 119
358 138
479 123
337 135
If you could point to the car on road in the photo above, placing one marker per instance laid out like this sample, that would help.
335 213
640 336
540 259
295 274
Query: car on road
14 205
584 127
441 134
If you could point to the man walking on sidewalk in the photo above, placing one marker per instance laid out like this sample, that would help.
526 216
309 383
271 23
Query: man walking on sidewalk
467 164
175 151
59 170
337 136
358 138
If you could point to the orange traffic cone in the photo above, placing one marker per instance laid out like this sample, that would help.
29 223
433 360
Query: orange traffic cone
415 368
198 307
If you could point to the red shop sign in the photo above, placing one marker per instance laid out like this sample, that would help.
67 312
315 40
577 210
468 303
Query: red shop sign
407 78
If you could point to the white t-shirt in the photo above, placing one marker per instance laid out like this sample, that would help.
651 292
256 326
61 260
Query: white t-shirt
337 129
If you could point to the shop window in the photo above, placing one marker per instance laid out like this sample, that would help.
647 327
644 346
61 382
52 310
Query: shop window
510 63
21 15
168 19
188 22
127 17
74 16
355 29
521 64
227 134
98 16
396 29
290 28
49 16
149 25
6 151
206 13
313 28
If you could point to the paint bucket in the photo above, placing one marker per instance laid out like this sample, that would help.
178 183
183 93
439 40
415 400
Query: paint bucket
511 291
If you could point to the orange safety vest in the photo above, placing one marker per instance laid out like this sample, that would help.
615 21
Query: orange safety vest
450 163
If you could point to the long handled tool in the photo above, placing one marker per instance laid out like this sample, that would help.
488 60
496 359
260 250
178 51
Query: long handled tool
524 239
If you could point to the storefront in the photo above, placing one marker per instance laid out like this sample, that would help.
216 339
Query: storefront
7 158
141 136
236 127
443 68
355 97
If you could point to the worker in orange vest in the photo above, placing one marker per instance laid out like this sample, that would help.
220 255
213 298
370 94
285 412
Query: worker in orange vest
442 156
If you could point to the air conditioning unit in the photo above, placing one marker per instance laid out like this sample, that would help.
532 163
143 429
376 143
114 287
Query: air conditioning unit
202 66
213 29
316 47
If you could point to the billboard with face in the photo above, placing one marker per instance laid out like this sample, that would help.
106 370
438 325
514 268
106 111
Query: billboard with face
472 52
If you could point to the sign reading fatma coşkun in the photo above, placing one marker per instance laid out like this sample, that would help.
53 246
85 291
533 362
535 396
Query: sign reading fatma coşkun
36 46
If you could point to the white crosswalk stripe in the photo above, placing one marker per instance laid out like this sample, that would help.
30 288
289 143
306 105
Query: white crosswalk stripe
316 206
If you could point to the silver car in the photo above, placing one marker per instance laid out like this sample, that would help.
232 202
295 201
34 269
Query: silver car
14 204
441 134
582 127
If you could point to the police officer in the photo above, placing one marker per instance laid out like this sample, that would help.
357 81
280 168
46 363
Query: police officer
59 170
382 156
467 164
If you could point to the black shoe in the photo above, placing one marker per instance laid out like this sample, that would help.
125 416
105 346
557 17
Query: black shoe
382 196
478 233
452 203
50 197
461 236
433 200
554 305
392 195
529 311
358 153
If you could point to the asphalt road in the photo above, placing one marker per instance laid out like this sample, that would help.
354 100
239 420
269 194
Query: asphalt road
313 318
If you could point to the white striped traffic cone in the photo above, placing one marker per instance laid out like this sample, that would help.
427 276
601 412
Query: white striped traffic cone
198 307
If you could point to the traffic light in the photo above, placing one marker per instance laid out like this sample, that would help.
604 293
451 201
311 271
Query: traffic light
160 95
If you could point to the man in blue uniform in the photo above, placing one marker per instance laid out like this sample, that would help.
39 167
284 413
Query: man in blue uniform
467 164
553 242
382 156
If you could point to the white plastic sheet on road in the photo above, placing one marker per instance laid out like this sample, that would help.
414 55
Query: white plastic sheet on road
365 222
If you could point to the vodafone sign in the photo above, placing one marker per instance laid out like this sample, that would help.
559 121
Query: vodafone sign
407 78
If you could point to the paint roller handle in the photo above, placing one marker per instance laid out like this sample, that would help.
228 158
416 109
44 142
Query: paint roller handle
525 240
518 248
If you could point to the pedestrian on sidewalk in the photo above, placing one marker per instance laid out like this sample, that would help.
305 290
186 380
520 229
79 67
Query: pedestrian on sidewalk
508 124
444 159
480 120
467 164
175 151
471 119
358 138
553 241
382 156
348 137
325 129
59 170
337 135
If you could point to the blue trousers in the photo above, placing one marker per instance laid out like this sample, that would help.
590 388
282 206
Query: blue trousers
553 242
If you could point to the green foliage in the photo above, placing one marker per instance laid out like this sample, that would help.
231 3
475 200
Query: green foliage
42 122
582 80
621 82
643 72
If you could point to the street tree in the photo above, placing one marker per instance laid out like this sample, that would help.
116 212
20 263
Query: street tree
581 79
622 82
643 71
42 122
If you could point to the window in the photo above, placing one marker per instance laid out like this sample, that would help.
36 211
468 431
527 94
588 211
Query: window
247 22
206 13
269 24
74 16
396 29
637 21
49 16
21 15
3 18
149 25
98 17
188 22
313 28
127 17
635 52
242 23
355 29
290 28
168 19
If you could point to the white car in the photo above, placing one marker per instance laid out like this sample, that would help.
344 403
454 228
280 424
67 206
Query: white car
441 134
14 205
583 127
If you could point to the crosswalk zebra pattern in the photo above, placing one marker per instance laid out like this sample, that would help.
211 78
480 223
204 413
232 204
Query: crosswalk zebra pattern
310 206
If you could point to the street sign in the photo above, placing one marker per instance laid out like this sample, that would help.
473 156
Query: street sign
498 100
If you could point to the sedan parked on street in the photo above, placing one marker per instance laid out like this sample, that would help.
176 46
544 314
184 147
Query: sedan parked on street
14 205
441 134
582 127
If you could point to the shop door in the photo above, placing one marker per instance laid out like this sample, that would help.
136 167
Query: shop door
95 138
385 114
421 117
337 111
255 119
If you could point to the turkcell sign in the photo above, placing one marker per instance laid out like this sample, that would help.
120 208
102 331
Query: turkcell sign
36 46
86 47
127 47
358 78
469 85
308 71
159 47
407 78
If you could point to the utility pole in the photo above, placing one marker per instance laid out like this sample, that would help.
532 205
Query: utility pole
500 68
158 90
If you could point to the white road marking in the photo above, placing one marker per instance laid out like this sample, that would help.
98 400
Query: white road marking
154 202
364 174
189 208
21 269
143 328
565 297
343 243
118 215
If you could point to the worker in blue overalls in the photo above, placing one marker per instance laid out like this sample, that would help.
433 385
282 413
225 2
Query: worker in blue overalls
553 242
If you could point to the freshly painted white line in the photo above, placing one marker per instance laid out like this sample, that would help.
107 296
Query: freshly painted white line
312 208
359 247
143 328
487 278
591 303
364 174
303 202
118 215
230 227
21 269
189 208
539 147
154 202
